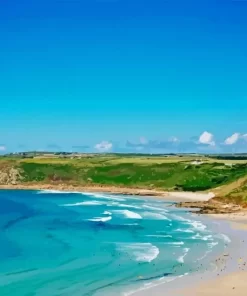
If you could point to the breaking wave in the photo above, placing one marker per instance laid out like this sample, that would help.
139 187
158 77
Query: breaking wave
100 219
155 216
55 192
154 208
141 252
103 196
121 205
128 214
84 203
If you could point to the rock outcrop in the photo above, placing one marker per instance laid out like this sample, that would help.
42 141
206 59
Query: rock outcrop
210 207
10 176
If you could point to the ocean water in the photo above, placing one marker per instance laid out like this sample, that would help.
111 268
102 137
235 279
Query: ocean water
62 243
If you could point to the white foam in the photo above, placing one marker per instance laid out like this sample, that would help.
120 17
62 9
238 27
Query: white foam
128 214
107 213
184 230
225 238
181 258
204 256
204 238
100 219
128 206
104 196
84 203
213 244
121 205
154 208
141 252
175 243
198 225
179 218
54 192
96 195
154 216
158 235
207 237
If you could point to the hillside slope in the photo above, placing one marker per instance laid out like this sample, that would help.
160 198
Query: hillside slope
235 192
167 173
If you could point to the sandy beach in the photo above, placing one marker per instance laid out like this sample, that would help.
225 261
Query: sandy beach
229 271
174 196
229 278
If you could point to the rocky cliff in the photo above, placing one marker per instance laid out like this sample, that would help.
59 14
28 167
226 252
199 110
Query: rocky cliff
10 176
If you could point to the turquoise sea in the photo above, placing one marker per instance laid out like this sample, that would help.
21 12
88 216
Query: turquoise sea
63 243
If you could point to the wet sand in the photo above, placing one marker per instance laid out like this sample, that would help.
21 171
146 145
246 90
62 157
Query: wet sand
228 275
172 196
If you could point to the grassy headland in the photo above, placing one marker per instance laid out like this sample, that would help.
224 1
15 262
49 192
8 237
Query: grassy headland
227 177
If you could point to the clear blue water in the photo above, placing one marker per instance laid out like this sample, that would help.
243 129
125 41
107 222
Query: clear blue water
54 243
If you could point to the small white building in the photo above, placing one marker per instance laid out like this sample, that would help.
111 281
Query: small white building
197 162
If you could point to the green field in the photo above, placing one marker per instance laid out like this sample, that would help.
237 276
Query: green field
152 172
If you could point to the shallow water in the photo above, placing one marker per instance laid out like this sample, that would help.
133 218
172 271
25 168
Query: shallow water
61 243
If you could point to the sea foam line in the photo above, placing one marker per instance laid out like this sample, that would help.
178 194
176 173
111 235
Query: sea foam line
142 252
204 238
184 230
121 205
107 213
198 225
154 216
174 243
154 284
103 196
100 219
154 208
128 214
158 235
83 203
55 192
181 258
225 238
96 195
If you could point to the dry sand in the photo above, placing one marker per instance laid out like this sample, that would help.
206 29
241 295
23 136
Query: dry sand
174 196
240 217
234 284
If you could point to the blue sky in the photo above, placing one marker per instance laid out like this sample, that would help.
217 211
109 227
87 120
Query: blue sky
123 75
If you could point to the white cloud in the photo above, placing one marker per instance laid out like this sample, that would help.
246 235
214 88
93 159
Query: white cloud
244 137
103 146
2 148
207 138
174 140
143 140
232 139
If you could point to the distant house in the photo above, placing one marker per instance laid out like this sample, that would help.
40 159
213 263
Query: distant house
197 162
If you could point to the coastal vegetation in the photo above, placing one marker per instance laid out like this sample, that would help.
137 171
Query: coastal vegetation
226 176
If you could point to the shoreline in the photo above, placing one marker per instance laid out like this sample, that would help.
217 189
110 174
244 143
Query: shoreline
230 277
201 202
167 195
229 270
